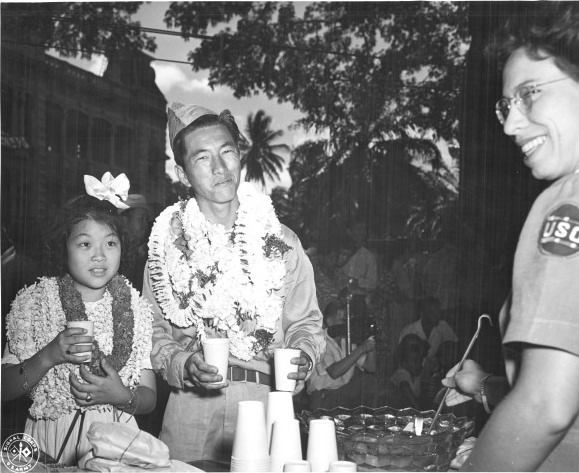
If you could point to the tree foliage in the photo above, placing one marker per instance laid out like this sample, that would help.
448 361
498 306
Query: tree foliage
260 156
74 28
288 213
354 68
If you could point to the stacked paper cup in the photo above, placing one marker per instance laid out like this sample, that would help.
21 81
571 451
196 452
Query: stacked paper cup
271 443
280 406
297 465
285 443
250 452
322 445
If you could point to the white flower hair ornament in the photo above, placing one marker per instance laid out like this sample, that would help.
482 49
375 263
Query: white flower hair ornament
111 189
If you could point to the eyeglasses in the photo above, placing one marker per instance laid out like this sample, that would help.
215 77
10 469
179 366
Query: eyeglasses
523 100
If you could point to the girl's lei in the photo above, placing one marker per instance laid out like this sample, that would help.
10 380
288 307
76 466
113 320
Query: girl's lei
38 315
204 276
123 321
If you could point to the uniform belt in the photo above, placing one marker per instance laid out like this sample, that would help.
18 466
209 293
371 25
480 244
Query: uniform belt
235 373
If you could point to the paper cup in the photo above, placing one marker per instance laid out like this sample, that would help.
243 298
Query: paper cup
322 446
250 441
280 406
253 466
342 465
216 353
283 367
297 465
89 326
286 443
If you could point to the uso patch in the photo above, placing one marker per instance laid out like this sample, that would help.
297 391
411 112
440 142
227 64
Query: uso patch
560 232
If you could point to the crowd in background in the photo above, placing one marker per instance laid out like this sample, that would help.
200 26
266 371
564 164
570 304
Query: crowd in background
408 291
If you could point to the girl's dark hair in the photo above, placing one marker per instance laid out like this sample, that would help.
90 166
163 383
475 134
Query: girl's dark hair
548 29
225 118
71 214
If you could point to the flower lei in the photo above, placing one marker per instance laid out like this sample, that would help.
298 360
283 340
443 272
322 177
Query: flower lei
204 276
123 322
37 317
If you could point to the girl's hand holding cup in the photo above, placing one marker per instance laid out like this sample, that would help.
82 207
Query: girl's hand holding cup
98 389
68 344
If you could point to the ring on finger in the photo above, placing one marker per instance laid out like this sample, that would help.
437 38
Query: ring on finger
88 397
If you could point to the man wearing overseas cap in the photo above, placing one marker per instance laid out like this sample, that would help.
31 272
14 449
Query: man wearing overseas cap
221 264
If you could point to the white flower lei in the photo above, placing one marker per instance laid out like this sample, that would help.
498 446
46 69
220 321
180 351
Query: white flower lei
226 281
37 317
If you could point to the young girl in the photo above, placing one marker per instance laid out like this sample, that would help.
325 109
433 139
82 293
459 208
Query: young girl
41 359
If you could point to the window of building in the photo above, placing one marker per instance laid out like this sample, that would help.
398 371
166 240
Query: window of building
54 121
102 140
77 137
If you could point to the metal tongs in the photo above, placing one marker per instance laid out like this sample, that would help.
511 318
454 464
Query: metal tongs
459 367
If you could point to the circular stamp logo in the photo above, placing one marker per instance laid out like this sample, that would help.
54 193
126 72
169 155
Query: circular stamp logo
20 453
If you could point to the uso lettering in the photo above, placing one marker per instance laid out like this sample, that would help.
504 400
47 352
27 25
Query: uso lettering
560 232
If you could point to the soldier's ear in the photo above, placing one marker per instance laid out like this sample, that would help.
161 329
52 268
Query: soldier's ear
182 175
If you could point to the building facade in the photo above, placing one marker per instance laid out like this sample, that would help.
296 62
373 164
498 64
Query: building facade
60 122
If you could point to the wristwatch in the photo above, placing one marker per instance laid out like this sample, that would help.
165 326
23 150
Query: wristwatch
483 394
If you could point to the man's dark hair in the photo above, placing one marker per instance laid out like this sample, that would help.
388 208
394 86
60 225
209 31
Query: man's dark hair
225 118
548 29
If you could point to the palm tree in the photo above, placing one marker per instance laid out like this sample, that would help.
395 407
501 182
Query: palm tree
259 157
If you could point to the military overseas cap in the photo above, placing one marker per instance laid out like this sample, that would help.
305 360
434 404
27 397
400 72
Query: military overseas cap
180 116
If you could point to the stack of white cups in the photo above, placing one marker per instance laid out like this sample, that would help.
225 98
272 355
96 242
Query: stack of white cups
322 445
272 442
285 443
280 406
250 452
283 430
297 465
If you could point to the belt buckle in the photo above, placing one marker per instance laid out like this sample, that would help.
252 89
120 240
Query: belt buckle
233 369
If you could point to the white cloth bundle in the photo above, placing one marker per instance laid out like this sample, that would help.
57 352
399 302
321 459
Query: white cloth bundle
120 447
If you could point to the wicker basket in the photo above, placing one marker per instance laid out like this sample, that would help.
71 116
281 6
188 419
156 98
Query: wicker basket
375 439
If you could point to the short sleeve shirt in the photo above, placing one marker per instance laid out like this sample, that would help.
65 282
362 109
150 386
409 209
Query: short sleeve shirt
544 306
438 335
320 379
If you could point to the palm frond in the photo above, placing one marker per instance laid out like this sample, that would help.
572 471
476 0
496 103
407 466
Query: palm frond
260 157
